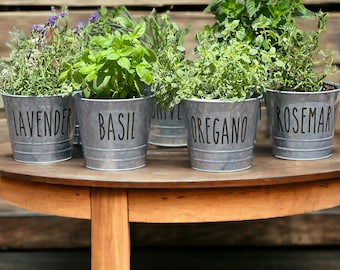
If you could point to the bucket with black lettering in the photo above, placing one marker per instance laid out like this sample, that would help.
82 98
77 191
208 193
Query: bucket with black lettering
301 124
40 128
114 132
167 127
221 134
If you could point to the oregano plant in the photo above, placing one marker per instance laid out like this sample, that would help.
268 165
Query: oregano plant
234 72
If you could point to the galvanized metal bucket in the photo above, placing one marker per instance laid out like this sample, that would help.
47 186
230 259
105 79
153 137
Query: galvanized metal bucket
76 137
221 134
301 125
114 132
167 127
41 128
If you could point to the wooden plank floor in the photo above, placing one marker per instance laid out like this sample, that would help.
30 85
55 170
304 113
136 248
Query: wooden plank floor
240 258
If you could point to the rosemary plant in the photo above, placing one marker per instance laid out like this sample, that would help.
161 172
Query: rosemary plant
297 63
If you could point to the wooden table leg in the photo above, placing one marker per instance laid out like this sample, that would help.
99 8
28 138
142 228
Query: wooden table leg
110 239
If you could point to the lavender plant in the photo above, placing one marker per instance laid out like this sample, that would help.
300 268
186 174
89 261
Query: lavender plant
34 64
110 20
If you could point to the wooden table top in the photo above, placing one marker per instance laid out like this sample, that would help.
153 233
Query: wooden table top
169 168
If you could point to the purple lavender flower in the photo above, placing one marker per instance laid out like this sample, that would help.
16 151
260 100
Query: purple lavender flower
80 25
94 17
51 20
37 28
62 14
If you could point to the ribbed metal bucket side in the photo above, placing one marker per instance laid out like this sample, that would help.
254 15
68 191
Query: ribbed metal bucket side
77 136
302 125
221 134
41 128
167 127
114 132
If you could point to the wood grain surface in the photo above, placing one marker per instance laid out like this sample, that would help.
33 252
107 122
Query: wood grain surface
170 168
49 199
89 3
110 234
25 19
129 2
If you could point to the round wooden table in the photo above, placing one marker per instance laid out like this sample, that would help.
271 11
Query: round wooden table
167 190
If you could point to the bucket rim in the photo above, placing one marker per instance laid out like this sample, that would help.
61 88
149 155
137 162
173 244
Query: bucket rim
77 95
337 89
27 96
221 101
